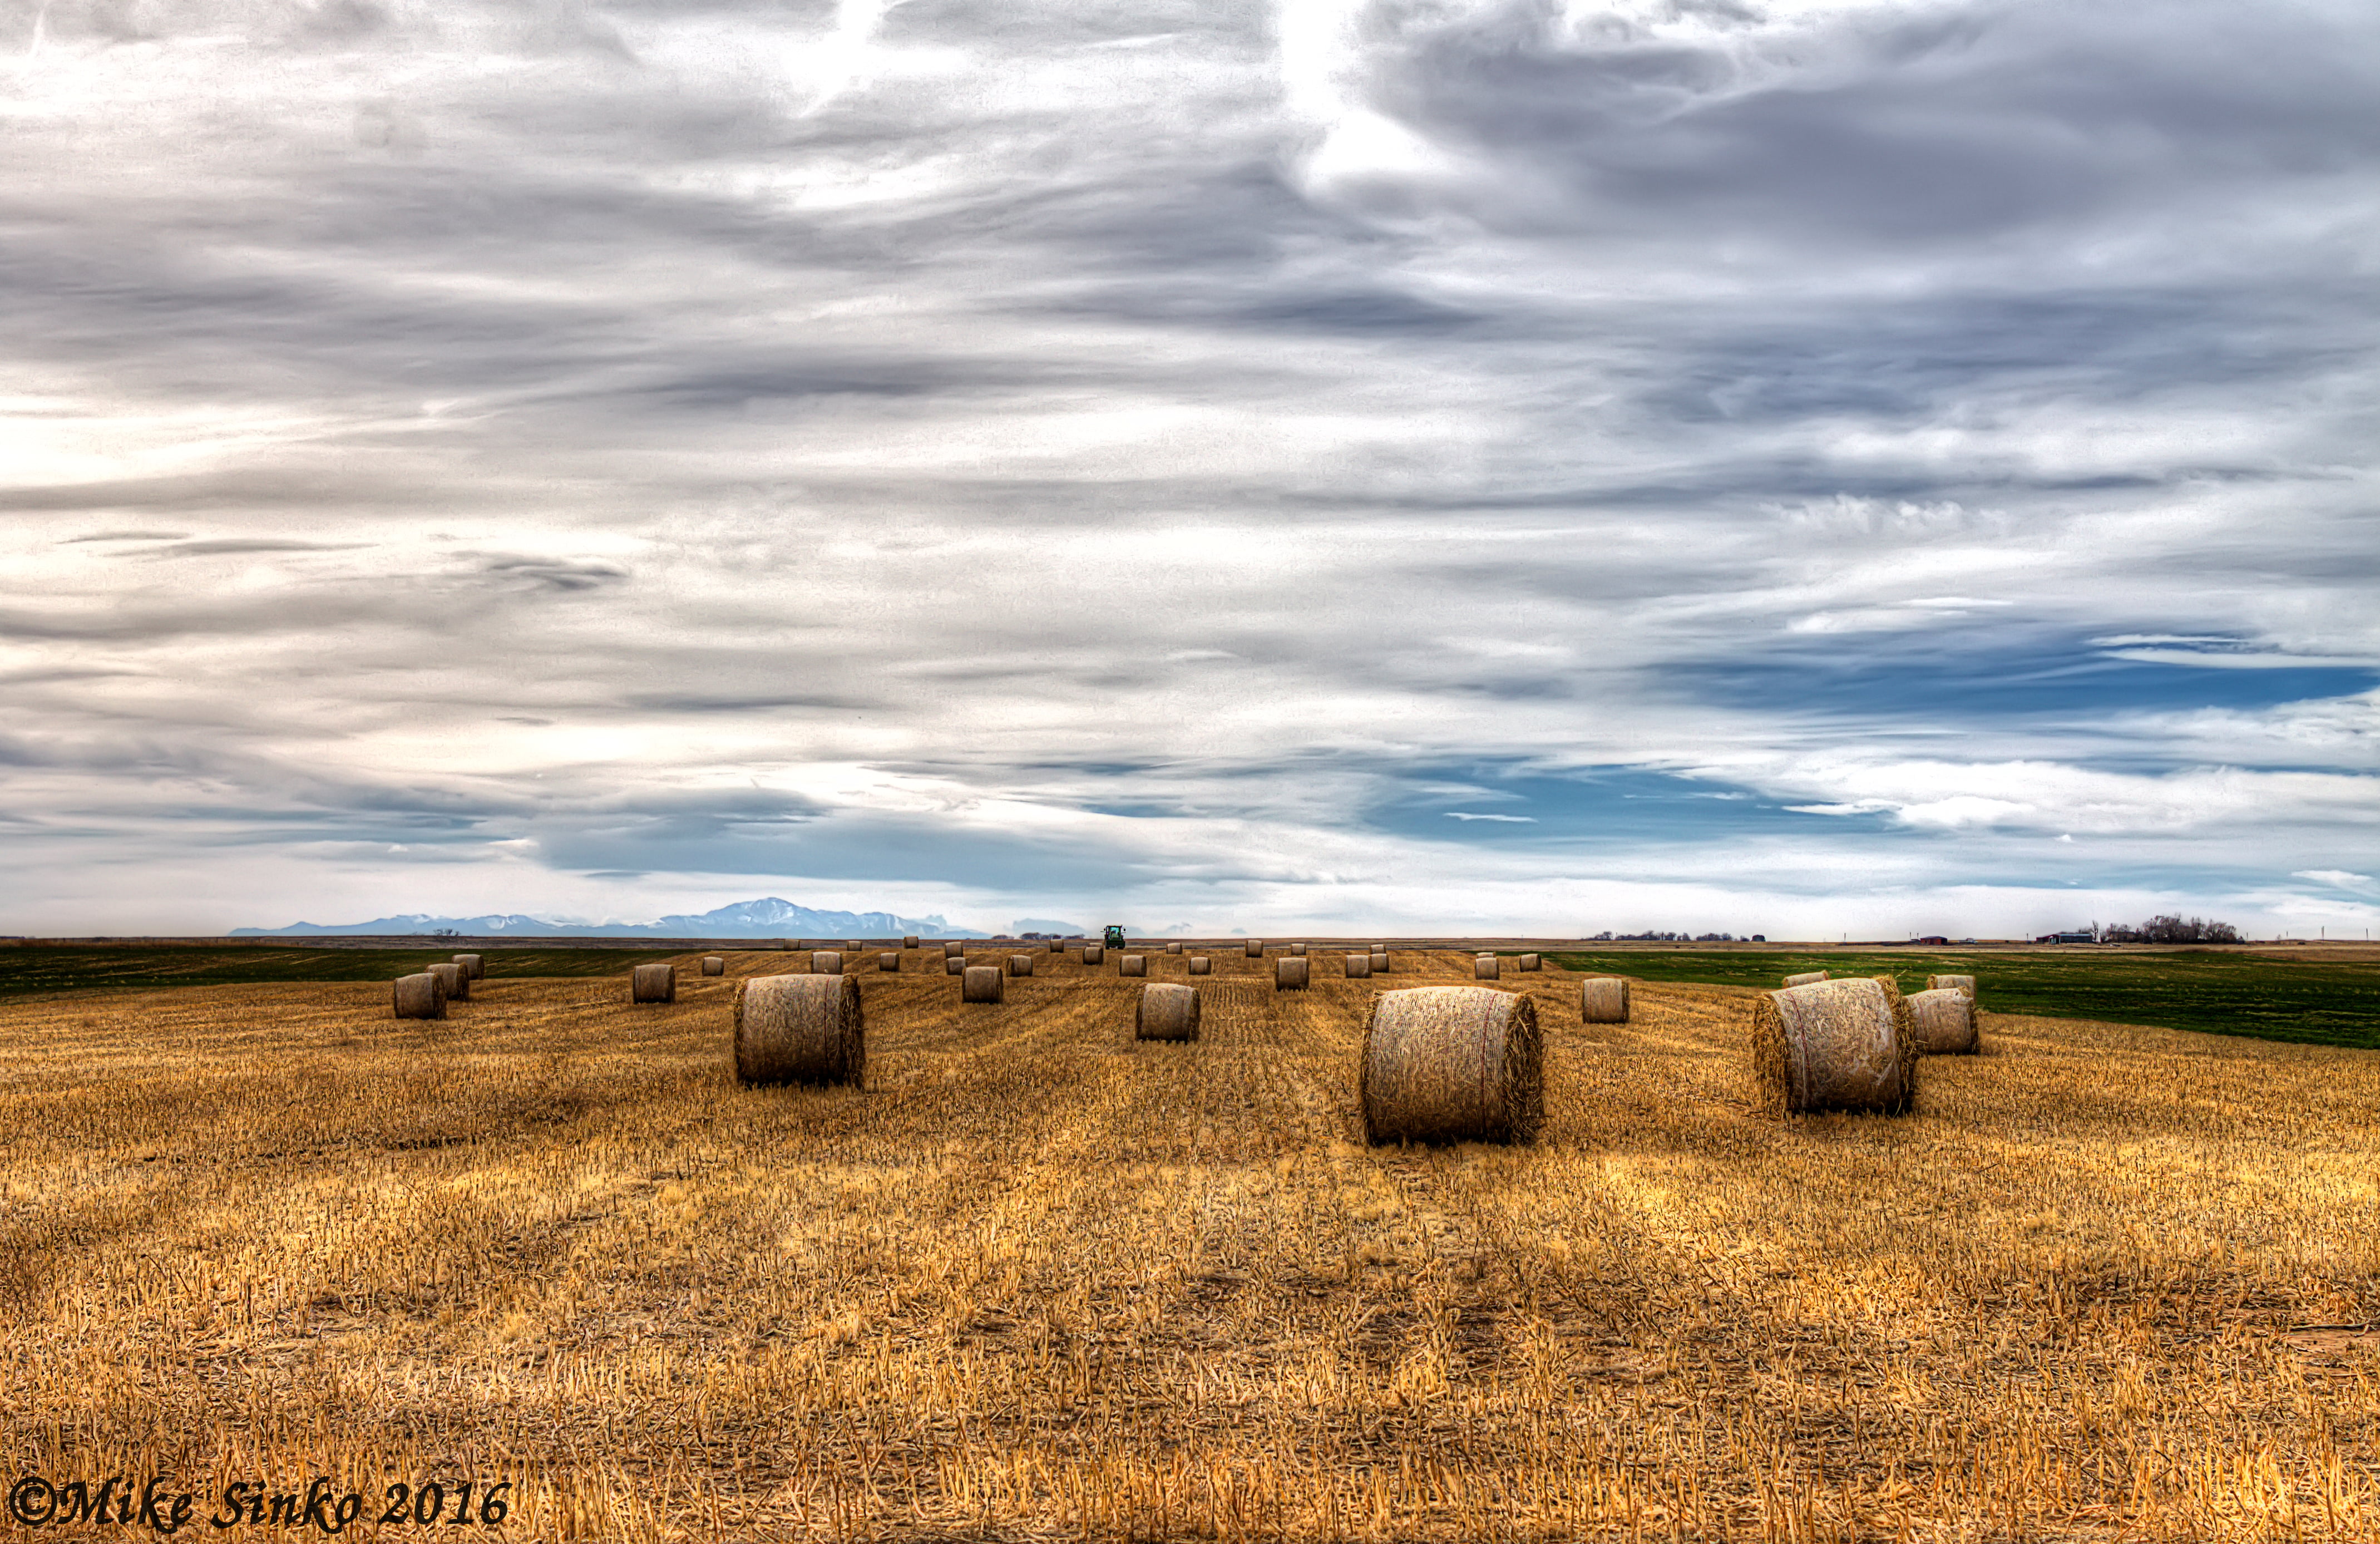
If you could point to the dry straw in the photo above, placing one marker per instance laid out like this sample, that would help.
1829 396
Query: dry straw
477 968
420 995
653 983
981 983
1529 961
1486 967
826 962
800 1029
1944 1019
1834 1045
1807 978
1358 966
1603 1000
1168 1011
455 980
1255 949
713 964
1131 964
889 959
1020 965
954 965
1094 954
1452 1064
1933 983
1289 973
1200 965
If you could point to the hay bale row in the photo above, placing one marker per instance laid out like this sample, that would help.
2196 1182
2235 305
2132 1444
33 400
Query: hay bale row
1603 1000
1452 1064
653 983
420 995
1834 1045
800 1029
1166 1011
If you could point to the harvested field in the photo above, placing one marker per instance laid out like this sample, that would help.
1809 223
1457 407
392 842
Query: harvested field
1040 1282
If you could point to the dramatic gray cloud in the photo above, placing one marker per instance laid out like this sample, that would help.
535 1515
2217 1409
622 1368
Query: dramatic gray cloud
1807 466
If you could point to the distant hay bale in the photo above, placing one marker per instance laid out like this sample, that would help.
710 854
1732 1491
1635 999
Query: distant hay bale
910 941
1933 983
1200 965
1255 949
1486 967
1020 965
1603 1000
476 967
1298 950
420 995
1807 978
954 965
1174 948
1095 953
1359 966
1944 1021
889 959
1452 1064
852 947
1131 964
1379 962
826 962
800 1029
952 948
653 983
1528 962
455 980
1168 1011
713 964
981 983
1834 1045
1289 973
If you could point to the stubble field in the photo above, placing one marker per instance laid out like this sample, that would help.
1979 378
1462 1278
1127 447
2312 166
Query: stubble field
1036 1281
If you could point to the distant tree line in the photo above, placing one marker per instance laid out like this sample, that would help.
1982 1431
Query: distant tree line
2167 929
1672 938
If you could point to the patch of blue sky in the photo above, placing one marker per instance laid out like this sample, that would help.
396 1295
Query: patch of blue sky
1510 803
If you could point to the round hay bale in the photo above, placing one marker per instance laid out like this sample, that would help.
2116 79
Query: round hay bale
1131 964
1452 1064
910 941
420 995
653 983
1834 1045
1168 1011
1174 948
1807 978
954 965
800 1029
714 964
1359 967
1529 961
1289 973
455 980
1020 965
852 947
1200 965
1095 953
889 959
1255 949
477 968
1933 983
1298 950
1603 1000
981 983
1942 1018
1486 967
826 962
951 951
1379 962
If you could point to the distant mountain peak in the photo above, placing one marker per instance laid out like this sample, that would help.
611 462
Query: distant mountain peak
771 917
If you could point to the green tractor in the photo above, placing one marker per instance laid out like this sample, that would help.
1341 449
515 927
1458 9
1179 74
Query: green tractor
1115 937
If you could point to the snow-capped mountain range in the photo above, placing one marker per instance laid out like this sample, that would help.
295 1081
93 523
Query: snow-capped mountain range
772 917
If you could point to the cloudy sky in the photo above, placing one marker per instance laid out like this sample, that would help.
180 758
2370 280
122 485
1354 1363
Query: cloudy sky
1800 467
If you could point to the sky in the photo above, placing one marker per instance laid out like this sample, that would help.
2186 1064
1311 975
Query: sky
1810 469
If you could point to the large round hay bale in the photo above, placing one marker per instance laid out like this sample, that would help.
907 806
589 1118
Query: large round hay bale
953 950
1603 1000
954 965
455 980
420 995
981 983
1359 967
1289 973
888 959
1174 948
714 964
653 983
1380 958
1942 1018
1834 1045
1806 979
1020 965
1168 1011
1933 983
1255 949
1095 953
1528 962
1486 967
909 942
1298 950
1131 964
476 967
826 962
1200 965
1452 1064
799 1029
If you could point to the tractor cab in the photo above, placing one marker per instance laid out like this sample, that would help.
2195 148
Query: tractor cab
1115 939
